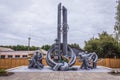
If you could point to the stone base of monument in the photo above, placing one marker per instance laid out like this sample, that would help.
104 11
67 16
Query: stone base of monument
48 69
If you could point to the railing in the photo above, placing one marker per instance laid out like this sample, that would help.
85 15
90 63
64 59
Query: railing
15 62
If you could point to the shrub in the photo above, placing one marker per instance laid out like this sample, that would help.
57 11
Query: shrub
3 71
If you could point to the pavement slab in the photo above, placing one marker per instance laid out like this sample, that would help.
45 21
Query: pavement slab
62 75
48 69
23 73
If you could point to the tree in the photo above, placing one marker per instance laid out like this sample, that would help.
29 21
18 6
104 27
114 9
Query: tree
75 45
117 24
104 46
46 47
21 47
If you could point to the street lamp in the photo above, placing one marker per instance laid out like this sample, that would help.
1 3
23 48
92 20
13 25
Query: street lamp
29 38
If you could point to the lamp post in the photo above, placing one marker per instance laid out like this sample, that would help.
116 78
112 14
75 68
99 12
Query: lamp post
29 38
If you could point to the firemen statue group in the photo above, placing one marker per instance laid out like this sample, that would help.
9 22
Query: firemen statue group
36 61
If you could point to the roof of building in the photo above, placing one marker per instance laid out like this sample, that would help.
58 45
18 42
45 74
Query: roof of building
44 51
3 49
77 50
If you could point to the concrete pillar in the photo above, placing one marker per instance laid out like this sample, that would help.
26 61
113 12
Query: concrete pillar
59 29
65 26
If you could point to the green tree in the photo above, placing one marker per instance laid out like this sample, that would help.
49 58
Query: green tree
46 47
104 46
21 47
75 45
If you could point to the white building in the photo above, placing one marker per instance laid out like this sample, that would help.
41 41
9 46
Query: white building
9 53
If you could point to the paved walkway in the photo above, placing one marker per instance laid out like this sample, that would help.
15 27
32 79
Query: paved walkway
61 75
48 69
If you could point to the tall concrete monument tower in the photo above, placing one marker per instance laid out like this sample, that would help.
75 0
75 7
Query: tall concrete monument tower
61 56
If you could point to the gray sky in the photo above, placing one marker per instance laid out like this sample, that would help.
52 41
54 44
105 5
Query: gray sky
38 19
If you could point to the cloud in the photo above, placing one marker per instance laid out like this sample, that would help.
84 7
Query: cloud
38 19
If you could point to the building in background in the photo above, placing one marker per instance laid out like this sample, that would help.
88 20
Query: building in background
9 53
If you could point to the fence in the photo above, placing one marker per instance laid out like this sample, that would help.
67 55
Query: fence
15 62
108 62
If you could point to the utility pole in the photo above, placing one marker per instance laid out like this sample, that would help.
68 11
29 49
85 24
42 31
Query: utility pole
29 38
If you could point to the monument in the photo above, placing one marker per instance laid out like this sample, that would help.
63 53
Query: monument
61 56
89 60
36 61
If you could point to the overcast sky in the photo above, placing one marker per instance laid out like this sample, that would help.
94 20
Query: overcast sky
38 19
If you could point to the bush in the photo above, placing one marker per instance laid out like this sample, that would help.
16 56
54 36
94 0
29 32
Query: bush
2 71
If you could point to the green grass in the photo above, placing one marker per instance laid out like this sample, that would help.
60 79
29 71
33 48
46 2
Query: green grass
3 71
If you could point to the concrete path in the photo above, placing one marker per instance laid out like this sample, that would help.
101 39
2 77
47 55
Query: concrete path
23 73
48 69
61 75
